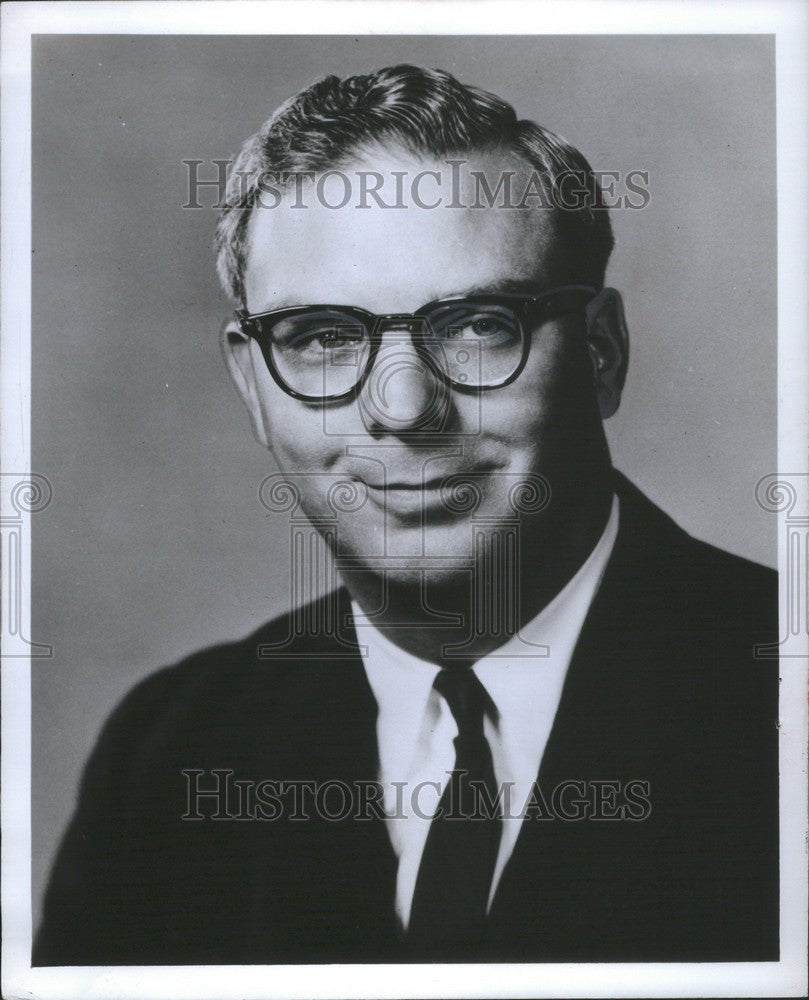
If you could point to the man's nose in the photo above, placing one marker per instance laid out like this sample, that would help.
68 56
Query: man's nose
404 391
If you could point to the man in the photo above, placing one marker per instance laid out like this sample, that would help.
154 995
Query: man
537 695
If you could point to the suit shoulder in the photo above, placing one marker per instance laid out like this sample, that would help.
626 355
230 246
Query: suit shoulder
216 687
656 539
733 580
194 673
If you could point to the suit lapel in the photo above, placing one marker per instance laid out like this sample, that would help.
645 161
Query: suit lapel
350 864
566 877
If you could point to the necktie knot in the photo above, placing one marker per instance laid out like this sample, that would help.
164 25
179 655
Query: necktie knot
467 699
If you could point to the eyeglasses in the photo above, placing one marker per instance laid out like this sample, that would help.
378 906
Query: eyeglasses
324 353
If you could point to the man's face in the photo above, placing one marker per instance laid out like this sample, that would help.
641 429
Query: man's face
388 442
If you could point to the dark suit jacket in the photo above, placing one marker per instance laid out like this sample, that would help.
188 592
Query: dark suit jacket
663 687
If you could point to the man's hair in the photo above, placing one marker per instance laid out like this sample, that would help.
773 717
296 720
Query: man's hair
427 113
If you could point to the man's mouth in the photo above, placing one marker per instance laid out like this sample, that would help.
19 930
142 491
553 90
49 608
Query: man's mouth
410 499
415 485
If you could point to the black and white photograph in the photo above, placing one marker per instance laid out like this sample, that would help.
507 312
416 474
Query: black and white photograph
404 499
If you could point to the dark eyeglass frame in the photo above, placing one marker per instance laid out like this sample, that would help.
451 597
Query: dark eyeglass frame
531 310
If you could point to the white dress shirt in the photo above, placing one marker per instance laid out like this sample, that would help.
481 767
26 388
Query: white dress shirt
415 728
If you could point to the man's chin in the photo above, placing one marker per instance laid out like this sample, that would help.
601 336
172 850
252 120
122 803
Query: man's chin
401 546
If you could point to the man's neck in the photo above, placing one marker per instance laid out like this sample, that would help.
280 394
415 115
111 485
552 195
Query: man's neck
552 548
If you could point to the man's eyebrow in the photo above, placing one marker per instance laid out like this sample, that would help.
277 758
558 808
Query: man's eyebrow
507 285
282 304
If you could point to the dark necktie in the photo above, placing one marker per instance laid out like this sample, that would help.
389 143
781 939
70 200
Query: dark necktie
455 875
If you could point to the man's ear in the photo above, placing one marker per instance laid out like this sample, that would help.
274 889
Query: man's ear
608 343
239 360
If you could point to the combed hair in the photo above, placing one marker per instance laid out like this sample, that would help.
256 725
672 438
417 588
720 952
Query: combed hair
428 113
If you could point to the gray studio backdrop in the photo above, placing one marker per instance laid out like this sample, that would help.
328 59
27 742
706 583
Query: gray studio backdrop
155 543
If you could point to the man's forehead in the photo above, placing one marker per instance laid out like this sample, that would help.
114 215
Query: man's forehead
432 231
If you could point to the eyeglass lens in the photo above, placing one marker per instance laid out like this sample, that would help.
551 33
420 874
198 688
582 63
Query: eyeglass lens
325 353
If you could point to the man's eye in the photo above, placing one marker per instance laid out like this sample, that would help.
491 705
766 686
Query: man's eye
485 327
322 338
342 337
479 328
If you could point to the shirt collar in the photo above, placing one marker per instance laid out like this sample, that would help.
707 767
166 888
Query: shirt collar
525 687
524 682
402 685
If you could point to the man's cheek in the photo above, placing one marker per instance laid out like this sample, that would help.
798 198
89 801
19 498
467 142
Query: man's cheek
518 420
297 440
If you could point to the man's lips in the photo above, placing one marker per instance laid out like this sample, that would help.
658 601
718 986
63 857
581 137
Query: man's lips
396 484
433 478
408 498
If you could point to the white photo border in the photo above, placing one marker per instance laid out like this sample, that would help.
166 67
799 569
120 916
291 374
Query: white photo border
788 20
